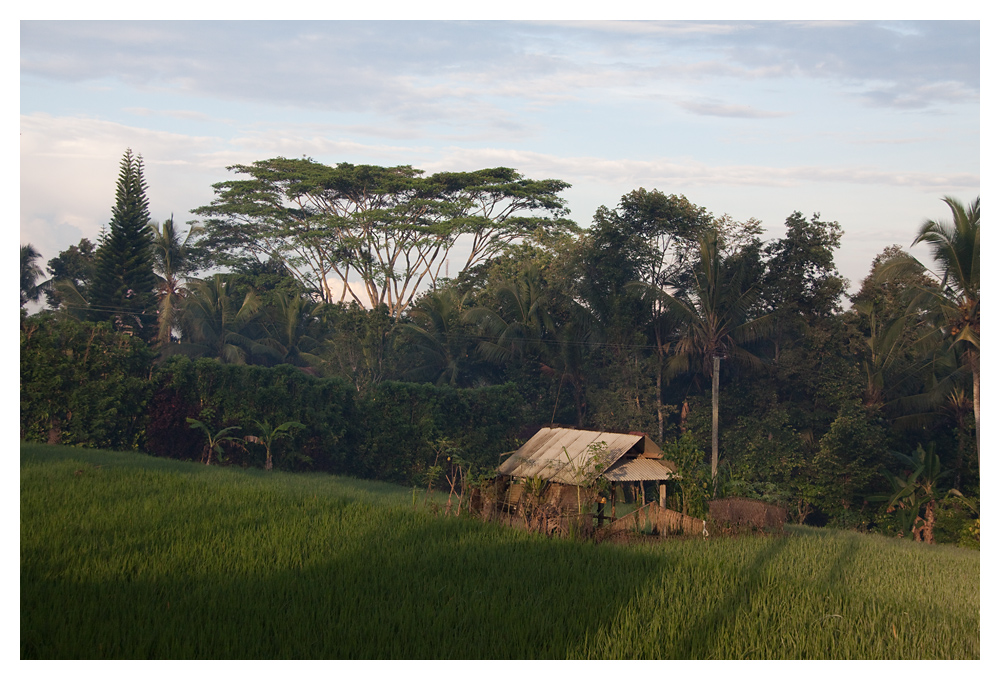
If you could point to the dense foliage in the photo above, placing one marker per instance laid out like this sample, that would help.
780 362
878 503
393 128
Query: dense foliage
659 318
83 383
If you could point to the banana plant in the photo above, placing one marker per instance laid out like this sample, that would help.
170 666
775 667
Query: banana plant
270 434
214 440
916 494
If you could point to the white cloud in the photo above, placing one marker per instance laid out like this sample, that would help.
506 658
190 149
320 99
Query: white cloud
714 107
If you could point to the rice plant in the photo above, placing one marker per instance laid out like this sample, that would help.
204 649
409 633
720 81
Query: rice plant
125 556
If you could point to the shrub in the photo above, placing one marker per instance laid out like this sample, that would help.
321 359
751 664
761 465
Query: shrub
83 384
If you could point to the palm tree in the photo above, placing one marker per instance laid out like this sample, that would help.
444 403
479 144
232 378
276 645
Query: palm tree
214 327
719 315
517 327
437 338
30 271
955 249
291 323
884 355
171 259
566 357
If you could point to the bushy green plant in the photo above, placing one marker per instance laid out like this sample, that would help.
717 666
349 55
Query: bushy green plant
269 435
401 421
83 384
233 395
215 439
695 476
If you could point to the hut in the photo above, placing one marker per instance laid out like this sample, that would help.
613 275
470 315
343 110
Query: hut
558 469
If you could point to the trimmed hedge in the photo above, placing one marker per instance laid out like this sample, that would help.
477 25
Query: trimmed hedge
83 384
403 423
87 385
222 395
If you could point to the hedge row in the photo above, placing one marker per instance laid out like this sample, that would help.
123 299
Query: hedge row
87 385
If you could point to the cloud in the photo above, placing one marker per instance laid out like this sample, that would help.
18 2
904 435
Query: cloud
691 173
471 74
179 115
69 169
921 97
713 107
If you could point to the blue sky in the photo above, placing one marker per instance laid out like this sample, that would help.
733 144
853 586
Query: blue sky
868 123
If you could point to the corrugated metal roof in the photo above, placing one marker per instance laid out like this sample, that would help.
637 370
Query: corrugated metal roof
562 455
639 470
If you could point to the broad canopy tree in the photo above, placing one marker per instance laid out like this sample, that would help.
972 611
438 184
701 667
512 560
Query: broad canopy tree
71 272
392 228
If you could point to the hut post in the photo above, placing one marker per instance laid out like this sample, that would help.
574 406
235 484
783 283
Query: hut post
663 494
614 493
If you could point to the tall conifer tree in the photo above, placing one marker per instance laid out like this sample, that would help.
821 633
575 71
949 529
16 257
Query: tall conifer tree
124 283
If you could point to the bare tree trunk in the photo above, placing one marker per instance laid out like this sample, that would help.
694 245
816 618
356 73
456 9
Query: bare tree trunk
715 421
659 401
974 357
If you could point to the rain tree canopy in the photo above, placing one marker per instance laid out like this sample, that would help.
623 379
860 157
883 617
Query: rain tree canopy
391 228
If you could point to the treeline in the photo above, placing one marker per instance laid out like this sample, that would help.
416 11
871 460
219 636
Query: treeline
657 316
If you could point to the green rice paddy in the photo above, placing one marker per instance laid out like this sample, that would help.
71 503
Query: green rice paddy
125 556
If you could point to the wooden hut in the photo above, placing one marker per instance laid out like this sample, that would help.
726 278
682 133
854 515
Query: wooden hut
558 469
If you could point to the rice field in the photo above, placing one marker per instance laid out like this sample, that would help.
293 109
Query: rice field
124 556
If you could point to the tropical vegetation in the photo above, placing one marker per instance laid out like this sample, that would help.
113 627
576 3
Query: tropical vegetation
385 309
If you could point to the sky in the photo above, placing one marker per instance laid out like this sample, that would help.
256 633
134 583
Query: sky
869 123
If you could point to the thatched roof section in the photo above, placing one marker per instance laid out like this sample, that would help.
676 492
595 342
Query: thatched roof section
578 457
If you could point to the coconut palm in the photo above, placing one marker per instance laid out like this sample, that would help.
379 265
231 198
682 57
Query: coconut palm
719 316
214 327
516 328
292 324
437 337
31 290
885 353
171 260
955 249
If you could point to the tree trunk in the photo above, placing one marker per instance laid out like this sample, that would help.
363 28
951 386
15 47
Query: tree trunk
659 402
974 358
715 422
578 400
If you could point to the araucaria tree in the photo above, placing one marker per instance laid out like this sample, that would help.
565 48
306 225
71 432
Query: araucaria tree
124 283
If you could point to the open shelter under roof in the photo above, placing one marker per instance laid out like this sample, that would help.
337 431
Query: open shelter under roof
579 457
